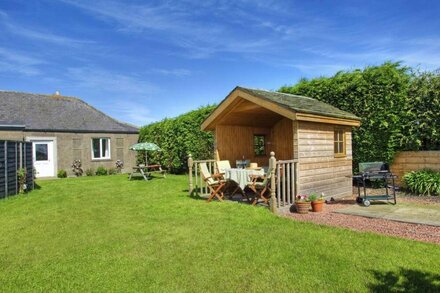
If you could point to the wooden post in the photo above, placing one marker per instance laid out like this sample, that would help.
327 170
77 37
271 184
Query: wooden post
272 165
190 170
216 155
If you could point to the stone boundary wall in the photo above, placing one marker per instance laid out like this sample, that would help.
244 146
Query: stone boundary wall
405 162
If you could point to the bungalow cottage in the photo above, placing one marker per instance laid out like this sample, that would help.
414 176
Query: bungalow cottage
311 139
63 129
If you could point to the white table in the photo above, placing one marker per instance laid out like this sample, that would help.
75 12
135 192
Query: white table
242 176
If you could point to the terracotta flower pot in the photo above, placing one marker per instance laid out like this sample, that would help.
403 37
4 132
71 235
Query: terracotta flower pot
317 205
302 207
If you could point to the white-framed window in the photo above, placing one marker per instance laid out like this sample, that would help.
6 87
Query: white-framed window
100 148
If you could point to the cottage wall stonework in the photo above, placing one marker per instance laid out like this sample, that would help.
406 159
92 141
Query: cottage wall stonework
72 146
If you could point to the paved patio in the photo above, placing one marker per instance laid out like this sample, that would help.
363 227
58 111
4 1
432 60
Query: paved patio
402 212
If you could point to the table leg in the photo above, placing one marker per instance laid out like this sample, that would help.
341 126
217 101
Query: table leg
143 175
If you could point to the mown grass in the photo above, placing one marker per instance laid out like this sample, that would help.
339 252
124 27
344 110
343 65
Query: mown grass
110 234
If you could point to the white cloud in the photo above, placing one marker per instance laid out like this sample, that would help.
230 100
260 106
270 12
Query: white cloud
108 81
178 72
45 36
177 24
17 62
125 97
133 112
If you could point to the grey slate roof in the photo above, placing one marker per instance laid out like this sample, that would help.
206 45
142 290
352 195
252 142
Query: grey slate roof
37 112
300 103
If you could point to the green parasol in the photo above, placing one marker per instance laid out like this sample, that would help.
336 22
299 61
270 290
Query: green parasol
145 146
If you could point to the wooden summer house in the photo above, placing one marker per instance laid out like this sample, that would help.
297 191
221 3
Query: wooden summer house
251 123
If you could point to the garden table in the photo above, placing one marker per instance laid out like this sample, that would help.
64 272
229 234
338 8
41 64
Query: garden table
242 176
146 171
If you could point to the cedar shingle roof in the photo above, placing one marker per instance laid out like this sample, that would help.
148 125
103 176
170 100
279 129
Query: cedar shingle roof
37 112
300 104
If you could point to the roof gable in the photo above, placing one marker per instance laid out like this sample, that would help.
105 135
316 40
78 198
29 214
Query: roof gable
38 112
291 106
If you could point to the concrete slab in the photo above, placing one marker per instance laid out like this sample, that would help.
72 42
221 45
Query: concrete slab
402 212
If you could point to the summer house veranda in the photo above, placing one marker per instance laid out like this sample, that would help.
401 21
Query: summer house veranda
312 142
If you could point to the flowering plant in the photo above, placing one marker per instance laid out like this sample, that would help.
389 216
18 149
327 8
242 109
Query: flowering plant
119 165
309 198
302 198
76 168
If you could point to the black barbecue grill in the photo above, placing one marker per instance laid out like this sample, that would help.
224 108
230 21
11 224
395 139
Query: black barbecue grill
375 172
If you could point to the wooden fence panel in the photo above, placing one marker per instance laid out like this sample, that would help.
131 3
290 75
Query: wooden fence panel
11 162
13 156
3 169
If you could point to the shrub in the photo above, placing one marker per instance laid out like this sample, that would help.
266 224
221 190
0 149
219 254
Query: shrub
100 171
178 137
423 182
90 172
112 171
62 173
76 168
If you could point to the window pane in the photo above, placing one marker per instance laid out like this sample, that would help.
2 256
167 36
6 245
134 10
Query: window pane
95 144
336 148
259 145
105 148
41 152
341 147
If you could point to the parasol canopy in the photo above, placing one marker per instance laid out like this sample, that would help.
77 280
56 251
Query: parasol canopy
145 146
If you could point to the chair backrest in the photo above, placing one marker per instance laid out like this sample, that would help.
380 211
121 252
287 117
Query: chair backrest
206 174
267 177
223 165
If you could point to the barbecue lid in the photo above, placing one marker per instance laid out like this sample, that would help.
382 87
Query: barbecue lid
373 167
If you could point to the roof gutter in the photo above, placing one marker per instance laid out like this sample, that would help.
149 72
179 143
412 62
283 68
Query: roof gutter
12 127
83 131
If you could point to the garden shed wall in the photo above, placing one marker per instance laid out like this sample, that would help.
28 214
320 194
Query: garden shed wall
319 169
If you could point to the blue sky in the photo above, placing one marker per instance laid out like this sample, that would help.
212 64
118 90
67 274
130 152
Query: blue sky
142 61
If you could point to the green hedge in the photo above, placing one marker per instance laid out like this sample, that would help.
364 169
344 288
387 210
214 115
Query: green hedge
399 108
178 137
423 182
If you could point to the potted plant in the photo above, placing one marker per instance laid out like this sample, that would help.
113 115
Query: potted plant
302 204
317 202
21 176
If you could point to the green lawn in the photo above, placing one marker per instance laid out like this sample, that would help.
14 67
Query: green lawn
110 234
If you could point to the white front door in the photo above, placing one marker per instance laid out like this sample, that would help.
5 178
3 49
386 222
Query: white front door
43 155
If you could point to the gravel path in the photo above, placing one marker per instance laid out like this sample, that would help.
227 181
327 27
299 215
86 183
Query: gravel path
387 227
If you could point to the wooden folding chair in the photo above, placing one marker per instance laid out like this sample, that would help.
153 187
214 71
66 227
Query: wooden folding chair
222 166
259 188
215 182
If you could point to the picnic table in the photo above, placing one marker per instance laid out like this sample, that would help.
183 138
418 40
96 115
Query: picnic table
146 171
